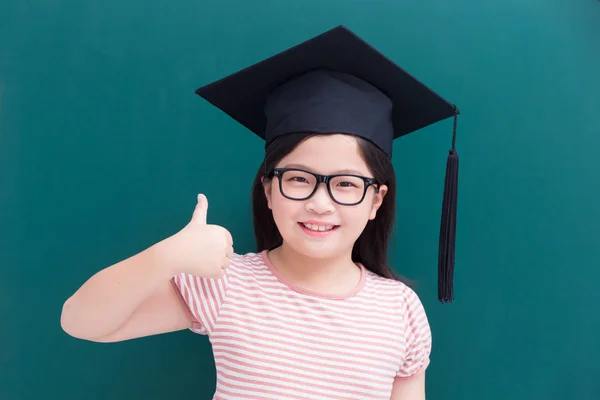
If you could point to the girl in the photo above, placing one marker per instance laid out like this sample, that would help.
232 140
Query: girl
316 311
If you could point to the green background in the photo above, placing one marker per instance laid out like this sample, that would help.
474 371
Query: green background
103 147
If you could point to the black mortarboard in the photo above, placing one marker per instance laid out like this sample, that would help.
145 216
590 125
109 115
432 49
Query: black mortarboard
337 83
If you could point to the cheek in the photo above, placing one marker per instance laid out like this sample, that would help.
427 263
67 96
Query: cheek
284 210
273 195
357 218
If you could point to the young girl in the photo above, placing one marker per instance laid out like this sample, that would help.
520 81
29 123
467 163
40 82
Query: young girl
315 312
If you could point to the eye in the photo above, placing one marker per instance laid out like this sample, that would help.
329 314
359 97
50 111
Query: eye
300 179
346 184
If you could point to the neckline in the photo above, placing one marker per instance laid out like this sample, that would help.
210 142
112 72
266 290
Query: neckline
361 283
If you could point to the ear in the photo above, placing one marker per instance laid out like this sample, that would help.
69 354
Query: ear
266 183
377 201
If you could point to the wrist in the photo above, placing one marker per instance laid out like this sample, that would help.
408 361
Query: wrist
161 260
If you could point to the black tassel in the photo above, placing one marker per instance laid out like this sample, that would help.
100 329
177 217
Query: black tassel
448 225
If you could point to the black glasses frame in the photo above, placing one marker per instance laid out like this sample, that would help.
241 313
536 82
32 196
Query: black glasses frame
326 179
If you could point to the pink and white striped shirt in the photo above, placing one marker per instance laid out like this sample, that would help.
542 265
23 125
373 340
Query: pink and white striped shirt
273 340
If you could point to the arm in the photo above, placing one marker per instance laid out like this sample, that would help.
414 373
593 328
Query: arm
412 388
129 299
135 298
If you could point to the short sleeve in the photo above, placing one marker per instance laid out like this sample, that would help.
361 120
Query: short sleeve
417 338
202 298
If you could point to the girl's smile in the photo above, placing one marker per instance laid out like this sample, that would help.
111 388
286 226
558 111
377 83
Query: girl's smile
318 229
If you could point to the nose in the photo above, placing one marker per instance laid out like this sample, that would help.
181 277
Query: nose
320 202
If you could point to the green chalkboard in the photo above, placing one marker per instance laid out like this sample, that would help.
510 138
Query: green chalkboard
103 147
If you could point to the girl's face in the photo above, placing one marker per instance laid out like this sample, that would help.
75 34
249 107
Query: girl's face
306 225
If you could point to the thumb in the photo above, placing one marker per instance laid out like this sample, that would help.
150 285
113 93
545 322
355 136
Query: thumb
199 215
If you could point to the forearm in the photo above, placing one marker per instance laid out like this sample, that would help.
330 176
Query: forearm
106 300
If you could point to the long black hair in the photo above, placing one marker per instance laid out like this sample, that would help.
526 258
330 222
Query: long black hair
371 247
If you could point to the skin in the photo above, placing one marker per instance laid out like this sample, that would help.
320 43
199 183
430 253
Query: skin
318 263
134 297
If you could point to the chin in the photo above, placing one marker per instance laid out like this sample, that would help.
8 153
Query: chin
314 248
318 252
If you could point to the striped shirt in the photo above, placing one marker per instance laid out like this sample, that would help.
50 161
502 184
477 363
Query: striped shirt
273 340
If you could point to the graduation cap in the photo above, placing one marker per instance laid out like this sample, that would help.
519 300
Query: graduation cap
337 83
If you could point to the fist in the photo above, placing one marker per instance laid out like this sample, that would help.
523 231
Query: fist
199 249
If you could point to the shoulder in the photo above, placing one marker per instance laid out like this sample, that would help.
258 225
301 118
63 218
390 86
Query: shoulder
397 291
248 257
248 264
247 260
401 300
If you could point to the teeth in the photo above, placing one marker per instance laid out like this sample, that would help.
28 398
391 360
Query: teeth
319 228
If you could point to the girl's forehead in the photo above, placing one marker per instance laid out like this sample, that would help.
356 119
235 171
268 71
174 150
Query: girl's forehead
328 153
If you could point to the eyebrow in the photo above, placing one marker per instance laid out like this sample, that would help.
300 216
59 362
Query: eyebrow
340 171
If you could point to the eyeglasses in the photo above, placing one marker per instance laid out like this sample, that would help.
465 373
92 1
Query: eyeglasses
344 189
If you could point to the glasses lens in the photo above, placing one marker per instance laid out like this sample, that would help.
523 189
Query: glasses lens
347 189
297 184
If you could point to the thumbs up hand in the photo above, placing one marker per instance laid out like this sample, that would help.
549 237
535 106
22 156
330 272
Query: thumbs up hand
199 249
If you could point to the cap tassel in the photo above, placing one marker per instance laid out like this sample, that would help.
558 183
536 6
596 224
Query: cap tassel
448 224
